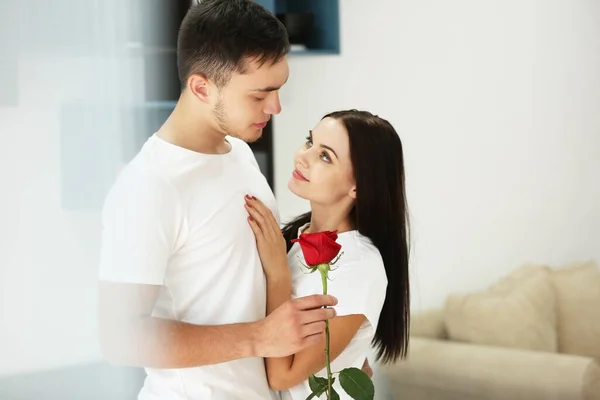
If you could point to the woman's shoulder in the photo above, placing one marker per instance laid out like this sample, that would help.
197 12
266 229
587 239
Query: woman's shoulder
360 252
358 247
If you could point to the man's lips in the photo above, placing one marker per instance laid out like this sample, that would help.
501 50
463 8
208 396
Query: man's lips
261 125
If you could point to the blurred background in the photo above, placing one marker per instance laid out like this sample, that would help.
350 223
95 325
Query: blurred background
498 107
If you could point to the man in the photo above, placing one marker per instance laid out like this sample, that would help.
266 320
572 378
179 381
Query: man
182 290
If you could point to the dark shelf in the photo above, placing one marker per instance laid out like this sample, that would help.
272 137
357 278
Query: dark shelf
324 37
263 151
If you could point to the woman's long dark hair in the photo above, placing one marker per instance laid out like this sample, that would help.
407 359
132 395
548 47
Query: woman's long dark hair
380 213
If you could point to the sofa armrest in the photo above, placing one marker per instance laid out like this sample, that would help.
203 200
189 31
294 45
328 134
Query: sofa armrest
451 370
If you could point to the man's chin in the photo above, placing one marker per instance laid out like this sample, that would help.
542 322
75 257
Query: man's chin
249 137
255 138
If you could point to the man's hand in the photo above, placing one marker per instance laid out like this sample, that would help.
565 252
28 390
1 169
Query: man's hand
294 325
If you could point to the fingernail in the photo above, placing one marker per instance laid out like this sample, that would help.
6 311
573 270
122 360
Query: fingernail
250 218
253 198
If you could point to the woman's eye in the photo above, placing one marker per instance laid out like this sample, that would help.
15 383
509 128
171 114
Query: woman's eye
308 141
325 157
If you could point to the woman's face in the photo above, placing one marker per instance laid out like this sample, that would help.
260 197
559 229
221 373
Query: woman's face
322 167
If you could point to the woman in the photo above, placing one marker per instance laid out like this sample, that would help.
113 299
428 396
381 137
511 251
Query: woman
351 170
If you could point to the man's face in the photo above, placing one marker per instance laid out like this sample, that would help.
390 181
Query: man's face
245 105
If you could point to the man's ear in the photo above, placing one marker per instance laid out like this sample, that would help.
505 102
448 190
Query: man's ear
200 87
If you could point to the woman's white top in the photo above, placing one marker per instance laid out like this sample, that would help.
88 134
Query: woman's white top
359 283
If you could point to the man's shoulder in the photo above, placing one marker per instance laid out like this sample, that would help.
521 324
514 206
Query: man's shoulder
141 178
149 167
136 188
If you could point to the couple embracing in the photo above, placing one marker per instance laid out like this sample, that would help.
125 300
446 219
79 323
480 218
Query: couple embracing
201 283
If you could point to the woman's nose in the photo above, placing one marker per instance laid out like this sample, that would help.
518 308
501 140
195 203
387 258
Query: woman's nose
302 160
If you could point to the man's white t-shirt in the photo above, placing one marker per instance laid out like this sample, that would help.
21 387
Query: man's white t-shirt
359 282
176 218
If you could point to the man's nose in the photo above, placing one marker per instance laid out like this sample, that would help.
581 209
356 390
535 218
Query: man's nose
273 105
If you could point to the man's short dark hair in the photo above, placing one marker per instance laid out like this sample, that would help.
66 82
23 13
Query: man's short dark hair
217 36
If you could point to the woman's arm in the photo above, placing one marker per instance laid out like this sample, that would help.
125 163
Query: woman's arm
286 372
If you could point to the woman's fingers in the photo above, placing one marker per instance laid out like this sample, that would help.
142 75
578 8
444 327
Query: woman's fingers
255 227
264 215
255 214
264 210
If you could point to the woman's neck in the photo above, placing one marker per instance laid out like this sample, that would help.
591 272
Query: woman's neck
329 219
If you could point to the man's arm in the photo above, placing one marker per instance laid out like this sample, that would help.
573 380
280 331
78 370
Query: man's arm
129 335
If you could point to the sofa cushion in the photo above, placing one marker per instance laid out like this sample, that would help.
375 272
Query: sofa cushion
428 324
578 304
517 312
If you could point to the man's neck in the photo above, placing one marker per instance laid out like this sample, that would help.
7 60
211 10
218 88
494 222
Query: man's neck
194 131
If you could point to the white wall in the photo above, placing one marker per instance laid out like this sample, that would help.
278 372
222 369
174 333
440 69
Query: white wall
498 107
48 252
47 267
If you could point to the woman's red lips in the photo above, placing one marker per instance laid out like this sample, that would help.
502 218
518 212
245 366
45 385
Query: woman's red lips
298 175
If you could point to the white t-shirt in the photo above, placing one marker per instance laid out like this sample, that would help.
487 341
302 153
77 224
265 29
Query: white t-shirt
176 218
359 282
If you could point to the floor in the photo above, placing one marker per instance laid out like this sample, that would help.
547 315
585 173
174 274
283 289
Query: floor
87 382
98 381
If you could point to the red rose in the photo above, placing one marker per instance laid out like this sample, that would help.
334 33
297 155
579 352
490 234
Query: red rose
319 248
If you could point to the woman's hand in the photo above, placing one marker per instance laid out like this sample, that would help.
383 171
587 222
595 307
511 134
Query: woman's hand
366 368
269 239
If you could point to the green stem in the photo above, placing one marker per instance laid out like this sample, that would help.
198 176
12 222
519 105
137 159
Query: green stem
327 359
324 280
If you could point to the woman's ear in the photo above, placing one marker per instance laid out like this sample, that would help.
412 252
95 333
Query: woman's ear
352 192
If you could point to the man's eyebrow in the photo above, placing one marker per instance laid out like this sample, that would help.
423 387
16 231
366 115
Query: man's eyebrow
324 145
269 88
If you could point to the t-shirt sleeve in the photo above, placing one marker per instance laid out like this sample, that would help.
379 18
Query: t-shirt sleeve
358 288
141 220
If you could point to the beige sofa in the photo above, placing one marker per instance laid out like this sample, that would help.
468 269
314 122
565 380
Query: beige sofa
534 335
